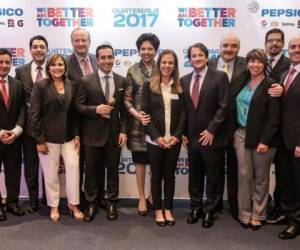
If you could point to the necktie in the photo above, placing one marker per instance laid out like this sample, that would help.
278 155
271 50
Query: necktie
39 75
226 69
106 91
269 66
195 91
4 93
289 79
86 66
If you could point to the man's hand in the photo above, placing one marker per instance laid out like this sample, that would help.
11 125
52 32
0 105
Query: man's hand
42 148
276 90
171 141
185 142
262 148
297 151
206 138
104 109
122 139
161 142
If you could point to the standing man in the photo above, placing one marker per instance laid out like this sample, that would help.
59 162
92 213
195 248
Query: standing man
81 63
289 151
28 74
100 102
278 63
233 65
12 118
206 95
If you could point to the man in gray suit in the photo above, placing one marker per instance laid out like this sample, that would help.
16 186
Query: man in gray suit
233 65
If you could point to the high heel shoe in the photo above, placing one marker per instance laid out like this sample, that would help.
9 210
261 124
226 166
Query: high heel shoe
75 212
54 214
255 225
144 210
161 223
170 221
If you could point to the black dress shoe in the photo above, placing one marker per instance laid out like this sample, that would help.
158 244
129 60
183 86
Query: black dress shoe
245 225
89 213
194 216
143 213
32 207
112 213
14 209
2 213
207 220
289 233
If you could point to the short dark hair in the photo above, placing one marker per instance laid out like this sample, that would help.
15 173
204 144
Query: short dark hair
272 31
257 54
38 37
200 46
150 37
104 46
5 52
51 60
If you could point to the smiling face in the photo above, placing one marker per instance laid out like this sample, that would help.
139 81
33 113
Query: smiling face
294 50
105 60
38 51
198 59
256 67
274 44
229 48
80 42
167 65
147 52
5 65
57 69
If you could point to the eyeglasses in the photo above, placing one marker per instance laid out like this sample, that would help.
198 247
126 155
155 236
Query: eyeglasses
274 41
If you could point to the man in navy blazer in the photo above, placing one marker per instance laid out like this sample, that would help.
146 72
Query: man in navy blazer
206 96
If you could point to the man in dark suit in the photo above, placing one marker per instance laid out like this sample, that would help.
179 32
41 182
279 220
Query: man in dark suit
28 74
278 63
81 63
206 95
100 102
289 151
11 122
232 64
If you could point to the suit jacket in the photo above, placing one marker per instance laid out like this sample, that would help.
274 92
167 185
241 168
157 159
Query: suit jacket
153 104
74 70
281 67
212 107
239 67
290 119
263 115
23 73
97 130
53 119
15 114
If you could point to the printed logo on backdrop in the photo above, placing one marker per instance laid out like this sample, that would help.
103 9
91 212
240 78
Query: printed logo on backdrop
18 56
65 17
271 17
62 51
207 17
212 53
11 17
126 166
135 17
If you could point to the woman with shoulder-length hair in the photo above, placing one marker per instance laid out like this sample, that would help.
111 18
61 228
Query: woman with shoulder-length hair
147 45
55 128
254 123
162 99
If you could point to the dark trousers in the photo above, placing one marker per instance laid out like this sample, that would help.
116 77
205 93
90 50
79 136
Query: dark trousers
289 176
11 157
209 163
31 166
97 158
163 164
276 193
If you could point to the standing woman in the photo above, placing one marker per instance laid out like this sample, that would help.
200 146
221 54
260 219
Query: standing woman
147 45
255 120
162 99
55 126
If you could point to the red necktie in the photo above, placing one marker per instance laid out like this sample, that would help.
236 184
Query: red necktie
39 75
195 91
86 66
289 80
4 92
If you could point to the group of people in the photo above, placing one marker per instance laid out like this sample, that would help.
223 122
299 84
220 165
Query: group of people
231 110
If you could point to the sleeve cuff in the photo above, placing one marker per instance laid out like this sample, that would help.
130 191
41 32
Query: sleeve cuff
17 130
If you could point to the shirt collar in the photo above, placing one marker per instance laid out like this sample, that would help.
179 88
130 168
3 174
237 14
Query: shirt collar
79 58
102 74
35 65
5 78
230 64
171 82
296 67
202 72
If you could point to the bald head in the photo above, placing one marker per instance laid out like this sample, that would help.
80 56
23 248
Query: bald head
294 50
81 40
229 47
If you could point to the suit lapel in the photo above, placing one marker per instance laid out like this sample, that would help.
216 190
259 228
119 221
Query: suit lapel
295 82
11 92
96 85
76 65
94 63
187 86
204 85
54 92
68 94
